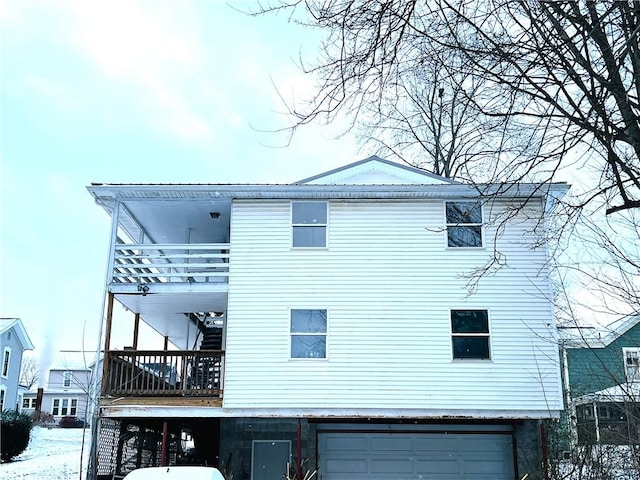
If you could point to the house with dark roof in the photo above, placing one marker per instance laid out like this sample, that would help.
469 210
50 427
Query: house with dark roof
602 381
336 322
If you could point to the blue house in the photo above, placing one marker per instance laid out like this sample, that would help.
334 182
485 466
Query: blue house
602 381
13 342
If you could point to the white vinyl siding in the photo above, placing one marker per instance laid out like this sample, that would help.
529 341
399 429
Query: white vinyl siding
390 288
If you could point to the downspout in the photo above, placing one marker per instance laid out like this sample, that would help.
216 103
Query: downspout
545 452
96 380
571 408
299 453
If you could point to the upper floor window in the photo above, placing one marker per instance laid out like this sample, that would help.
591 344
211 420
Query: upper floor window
470 334
308 334
309 224
464 224
632 364
6 359
66 379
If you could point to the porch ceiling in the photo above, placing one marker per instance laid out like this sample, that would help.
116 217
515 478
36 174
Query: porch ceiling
165 311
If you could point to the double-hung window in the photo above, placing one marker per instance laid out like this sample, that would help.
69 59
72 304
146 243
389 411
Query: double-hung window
632 364
6 361
308 333
66 379
64 407
464 224
309 224
470 334
28 403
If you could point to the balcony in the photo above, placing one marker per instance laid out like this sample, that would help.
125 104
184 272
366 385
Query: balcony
160 373
141 265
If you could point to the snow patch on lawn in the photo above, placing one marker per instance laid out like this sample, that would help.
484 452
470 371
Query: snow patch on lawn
52 454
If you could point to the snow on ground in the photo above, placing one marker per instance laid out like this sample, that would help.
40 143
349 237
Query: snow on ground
52 454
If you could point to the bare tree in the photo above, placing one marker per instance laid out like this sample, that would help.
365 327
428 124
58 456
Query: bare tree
564 74
29 372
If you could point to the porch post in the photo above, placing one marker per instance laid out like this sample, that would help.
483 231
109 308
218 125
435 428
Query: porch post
165 434
107 343
136 326
595 416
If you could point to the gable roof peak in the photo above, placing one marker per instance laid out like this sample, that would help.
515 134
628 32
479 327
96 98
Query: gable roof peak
374 170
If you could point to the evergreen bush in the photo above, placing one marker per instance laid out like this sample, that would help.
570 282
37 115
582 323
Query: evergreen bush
15 431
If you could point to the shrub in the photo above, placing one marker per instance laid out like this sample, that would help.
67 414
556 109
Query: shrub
14 434
71 422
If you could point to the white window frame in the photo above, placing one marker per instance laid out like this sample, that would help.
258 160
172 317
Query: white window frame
31 403
66 378
633 354
253 452
325 225
449 224
71 407
315 334
6 362
486 335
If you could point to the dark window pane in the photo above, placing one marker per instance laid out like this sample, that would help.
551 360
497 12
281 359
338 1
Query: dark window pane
309 236
464 236
464 212
309 213
308 321
308 346
471 347
469 321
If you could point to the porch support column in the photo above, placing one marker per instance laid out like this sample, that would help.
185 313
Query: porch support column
136 327
107 342
597 420
165 434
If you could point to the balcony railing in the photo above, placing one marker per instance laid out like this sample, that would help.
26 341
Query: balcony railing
164 373
170 263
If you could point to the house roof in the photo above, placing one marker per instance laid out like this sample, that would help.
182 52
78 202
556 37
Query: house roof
600 337
376 168
8 323
627 392
73 360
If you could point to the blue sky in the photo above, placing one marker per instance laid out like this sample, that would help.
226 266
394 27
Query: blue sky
136 91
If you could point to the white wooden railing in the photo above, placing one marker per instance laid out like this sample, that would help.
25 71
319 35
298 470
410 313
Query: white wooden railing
170 263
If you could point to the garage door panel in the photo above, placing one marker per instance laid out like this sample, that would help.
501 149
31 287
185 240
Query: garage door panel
391 466
437 466
350 465
341 443
404 456
390 443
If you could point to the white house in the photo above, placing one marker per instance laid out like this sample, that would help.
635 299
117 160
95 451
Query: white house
341 319
65 391
13 342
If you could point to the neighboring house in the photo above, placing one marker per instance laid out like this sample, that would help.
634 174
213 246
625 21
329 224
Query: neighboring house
13 342
336 320
602 381
66 388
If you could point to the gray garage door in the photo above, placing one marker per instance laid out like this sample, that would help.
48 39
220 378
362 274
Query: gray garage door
424 456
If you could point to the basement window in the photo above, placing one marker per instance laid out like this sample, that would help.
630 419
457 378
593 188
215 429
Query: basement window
470 334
